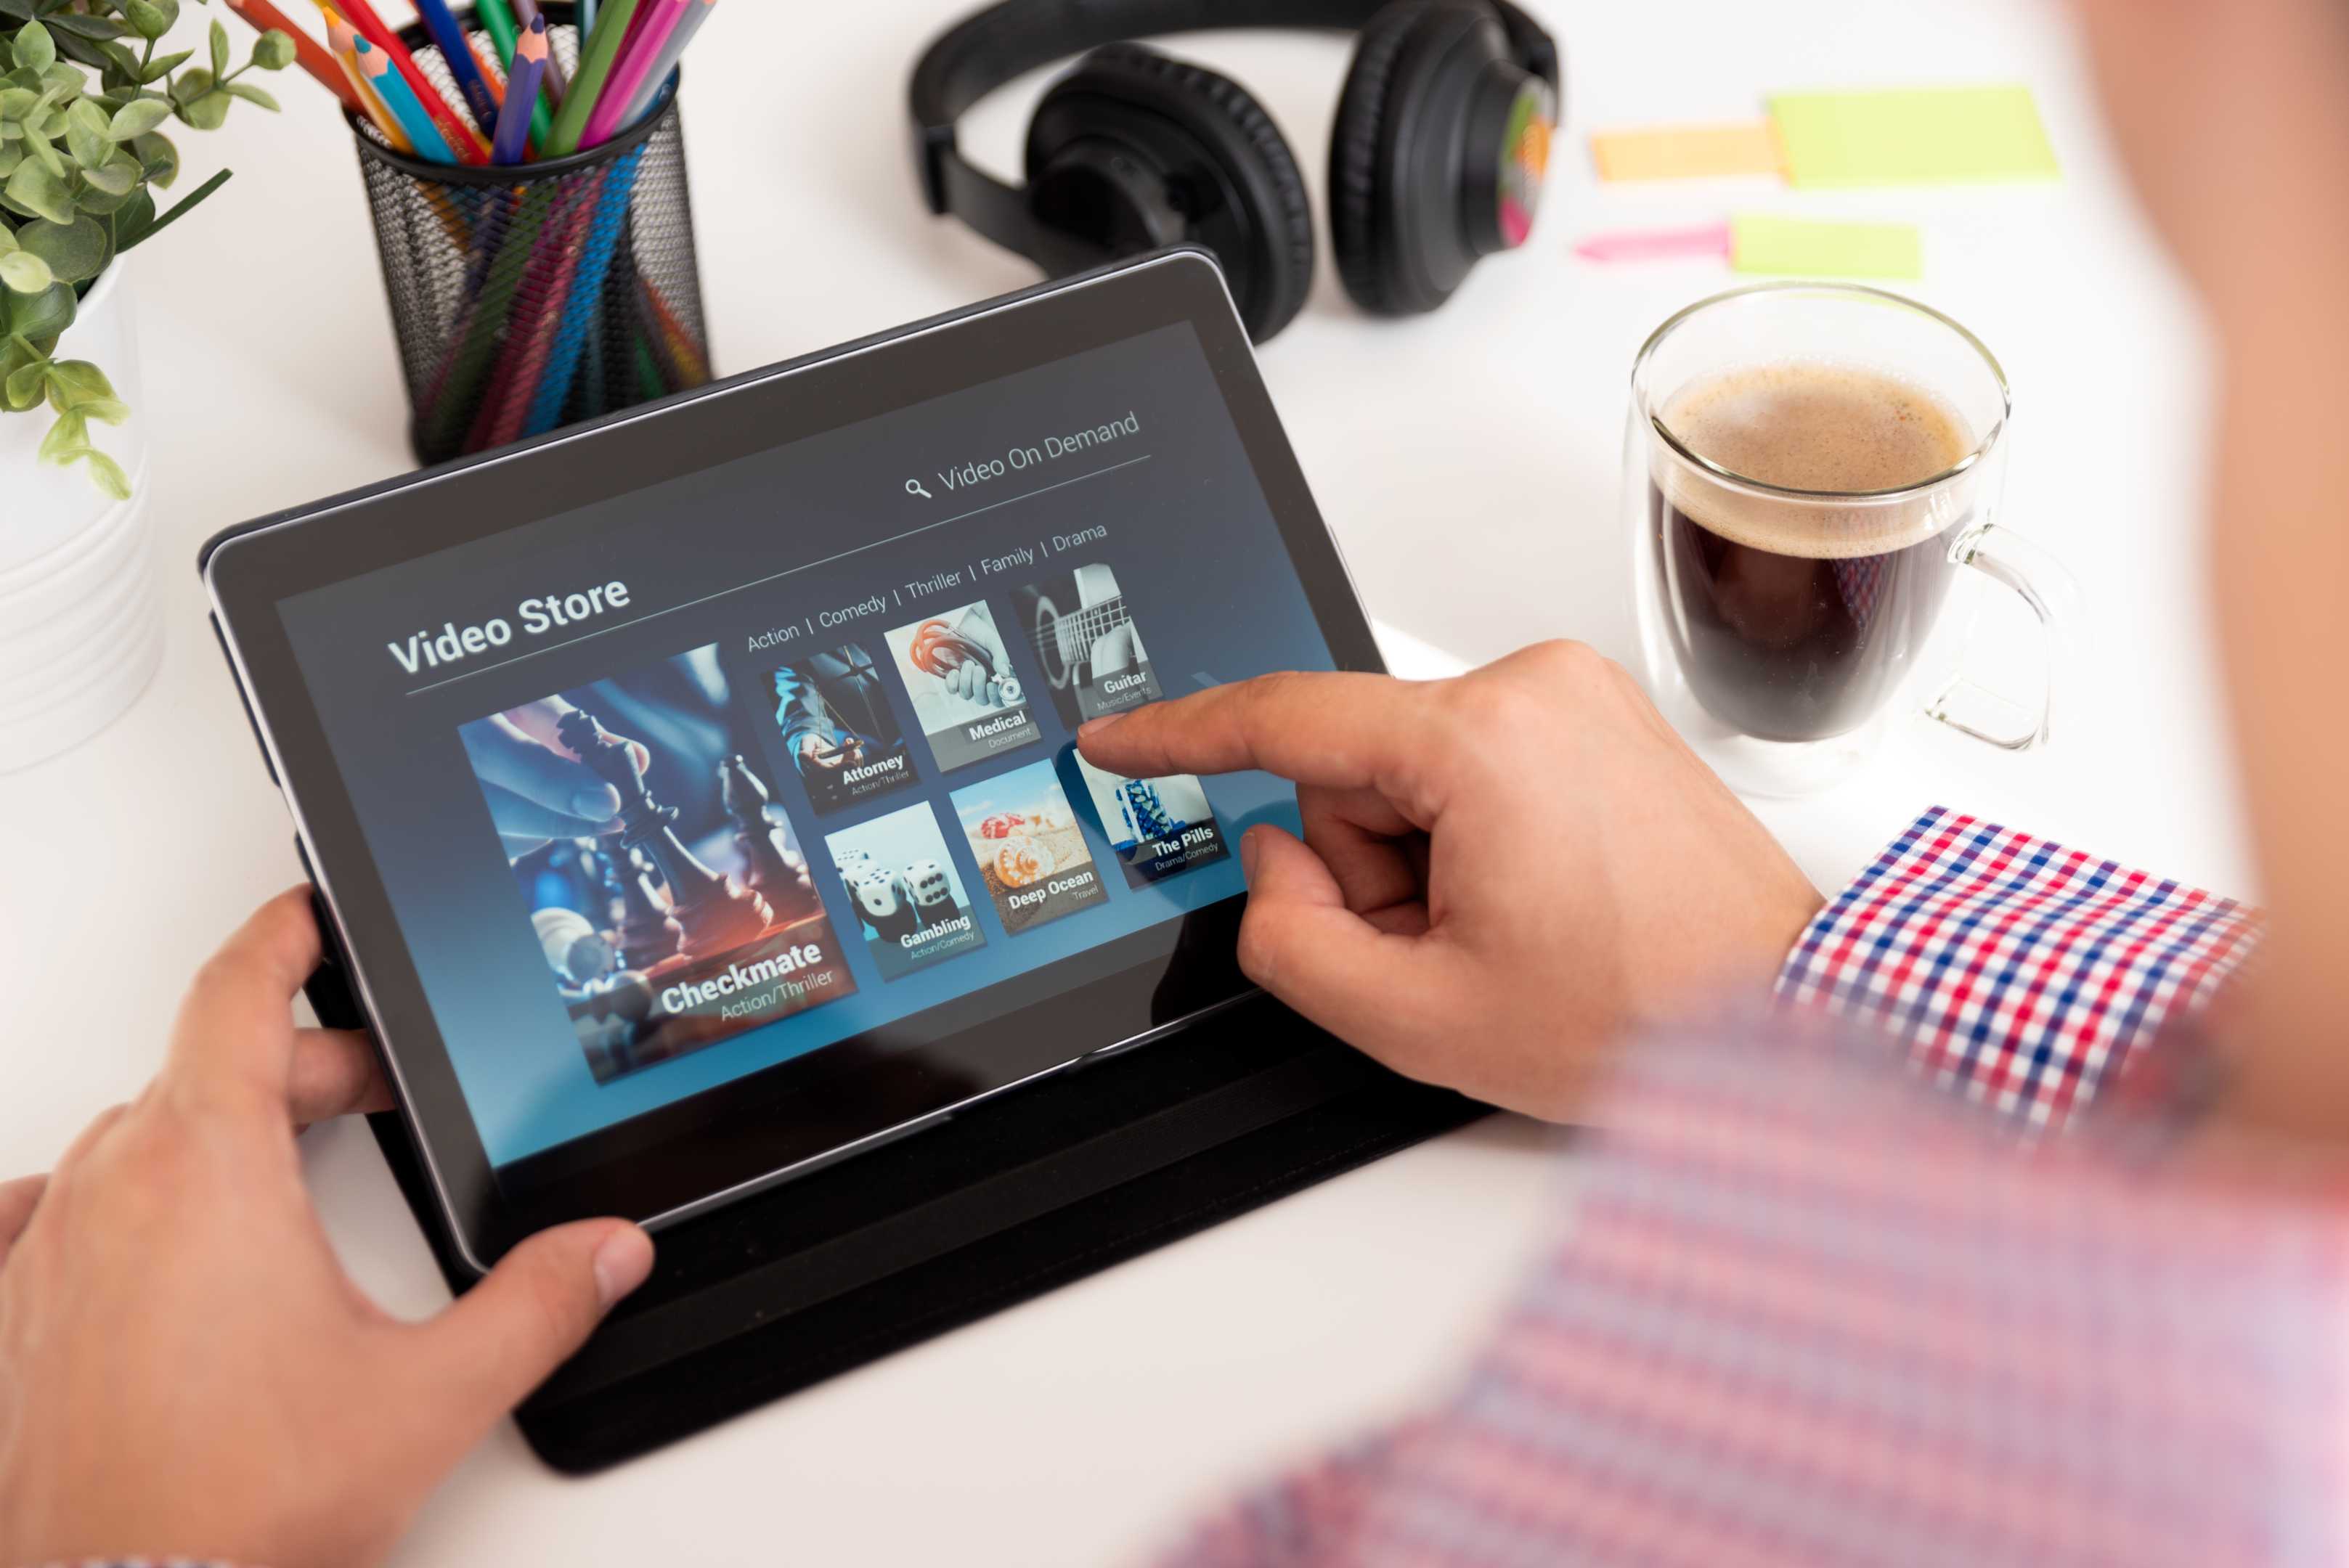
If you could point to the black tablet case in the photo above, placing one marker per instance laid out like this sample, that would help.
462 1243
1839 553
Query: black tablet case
1012 1197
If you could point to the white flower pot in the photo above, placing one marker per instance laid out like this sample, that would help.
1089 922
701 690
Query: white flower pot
80 623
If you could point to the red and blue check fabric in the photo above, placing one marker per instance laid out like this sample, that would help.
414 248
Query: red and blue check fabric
2020 972
1800 1311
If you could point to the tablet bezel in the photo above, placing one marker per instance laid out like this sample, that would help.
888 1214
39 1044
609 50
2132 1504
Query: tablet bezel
248 570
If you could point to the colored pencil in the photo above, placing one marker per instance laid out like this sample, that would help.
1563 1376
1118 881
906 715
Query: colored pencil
467 143
595 59
340 39
671 52
400 98
556 82
522 87
628 71
587 15
307 53
499 25
449 33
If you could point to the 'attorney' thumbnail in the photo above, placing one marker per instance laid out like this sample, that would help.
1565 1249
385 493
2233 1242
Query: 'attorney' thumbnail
840 729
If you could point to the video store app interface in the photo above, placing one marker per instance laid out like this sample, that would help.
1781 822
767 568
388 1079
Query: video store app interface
715 774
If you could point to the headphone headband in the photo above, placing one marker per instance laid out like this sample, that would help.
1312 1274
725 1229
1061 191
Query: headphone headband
982 52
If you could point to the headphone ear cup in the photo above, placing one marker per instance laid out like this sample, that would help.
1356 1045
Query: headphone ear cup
1127 118
1396 175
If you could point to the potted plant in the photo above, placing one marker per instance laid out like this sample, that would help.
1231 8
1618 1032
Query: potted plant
84 97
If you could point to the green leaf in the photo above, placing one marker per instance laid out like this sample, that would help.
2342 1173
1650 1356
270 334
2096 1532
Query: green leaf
22 391
47 159
11 154
173 216
15 103
33 48
87 26
66 81
70 433
159 158
106 474
251 94
162 66
98 202
132 221
147 19
74 251
273 50
191 86
138 118
219 36
207 112
113 178
38 316
86 382
86 133
38 190
24 272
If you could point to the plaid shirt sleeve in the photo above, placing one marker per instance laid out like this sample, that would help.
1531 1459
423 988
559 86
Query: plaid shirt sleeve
2020 974
1800 1312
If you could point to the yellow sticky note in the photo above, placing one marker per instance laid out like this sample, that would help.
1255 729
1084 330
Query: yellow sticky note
1803 247
1936 135
1687 152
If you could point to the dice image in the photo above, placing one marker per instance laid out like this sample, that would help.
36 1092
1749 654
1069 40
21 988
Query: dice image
933 894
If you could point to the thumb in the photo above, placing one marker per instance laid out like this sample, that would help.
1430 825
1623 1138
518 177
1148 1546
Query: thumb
504 1336
1299 942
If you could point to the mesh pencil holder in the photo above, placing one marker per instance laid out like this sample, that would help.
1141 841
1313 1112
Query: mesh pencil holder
533 296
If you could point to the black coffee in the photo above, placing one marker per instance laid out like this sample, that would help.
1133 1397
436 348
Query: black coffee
1792 620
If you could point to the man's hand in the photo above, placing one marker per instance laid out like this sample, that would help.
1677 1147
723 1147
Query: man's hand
185 1370
1498 871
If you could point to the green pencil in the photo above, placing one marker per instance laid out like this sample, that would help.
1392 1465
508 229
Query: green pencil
595 59
499 24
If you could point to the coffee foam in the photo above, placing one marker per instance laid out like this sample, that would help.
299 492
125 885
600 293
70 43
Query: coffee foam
1815 424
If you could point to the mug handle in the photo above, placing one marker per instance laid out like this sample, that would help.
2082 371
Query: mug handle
2054 597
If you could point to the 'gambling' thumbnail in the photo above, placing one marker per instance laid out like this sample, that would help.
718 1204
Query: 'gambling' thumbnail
1086 644
676 911
967 698
1031 854
838 726
1158 827
902 884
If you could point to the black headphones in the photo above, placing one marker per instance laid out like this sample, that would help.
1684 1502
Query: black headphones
1437 156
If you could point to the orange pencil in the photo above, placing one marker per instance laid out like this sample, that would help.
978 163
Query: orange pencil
340 39
456 131
307 51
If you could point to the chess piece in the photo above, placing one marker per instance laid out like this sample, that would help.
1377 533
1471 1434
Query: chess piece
646 934
776 875
711 914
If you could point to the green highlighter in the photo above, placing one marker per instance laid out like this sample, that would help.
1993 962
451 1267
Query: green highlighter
499 23
603 46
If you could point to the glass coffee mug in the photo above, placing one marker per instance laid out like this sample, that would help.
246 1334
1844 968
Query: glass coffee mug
1809 470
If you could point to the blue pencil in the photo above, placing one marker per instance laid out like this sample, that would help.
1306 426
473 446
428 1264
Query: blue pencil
400 98
443 24
521 88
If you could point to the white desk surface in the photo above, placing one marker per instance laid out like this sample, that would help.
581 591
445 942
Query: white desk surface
1468 461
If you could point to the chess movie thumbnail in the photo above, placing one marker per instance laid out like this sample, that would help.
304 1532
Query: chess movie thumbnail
1158 827
1031 854
665 888
967 698
1086 644
902 884
838 726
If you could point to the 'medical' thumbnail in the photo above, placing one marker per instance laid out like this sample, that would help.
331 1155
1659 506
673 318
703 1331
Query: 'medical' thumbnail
1158 827
1031 854
666 889
967 698
901 884
1086 644
838 726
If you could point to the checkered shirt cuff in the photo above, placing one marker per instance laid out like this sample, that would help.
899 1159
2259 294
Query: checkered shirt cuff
2021 975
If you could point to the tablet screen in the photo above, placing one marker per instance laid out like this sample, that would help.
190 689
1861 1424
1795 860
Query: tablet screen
766 773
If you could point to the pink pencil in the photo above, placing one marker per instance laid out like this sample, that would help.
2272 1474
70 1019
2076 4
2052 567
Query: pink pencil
1657 244
643 48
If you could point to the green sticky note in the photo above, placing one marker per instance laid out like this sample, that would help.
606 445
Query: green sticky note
1803 247
1938 136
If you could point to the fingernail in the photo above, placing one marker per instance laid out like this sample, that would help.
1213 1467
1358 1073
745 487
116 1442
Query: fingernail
623 1259
1247 854
595 805
1095 726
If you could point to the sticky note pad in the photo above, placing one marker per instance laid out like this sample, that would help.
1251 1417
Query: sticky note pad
1687 152
1803 247
1938 136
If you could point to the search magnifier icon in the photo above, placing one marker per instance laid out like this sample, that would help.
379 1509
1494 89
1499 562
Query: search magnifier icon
914 487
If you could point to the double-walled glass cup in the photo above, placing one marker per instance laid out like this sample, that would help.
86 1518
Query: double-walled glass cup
1779 628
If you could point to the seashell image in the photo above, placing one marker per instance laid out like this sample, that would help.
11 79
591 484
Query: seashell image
1022 860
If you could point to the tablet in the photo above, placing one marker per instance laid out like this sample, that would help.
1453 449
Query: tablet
693 792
